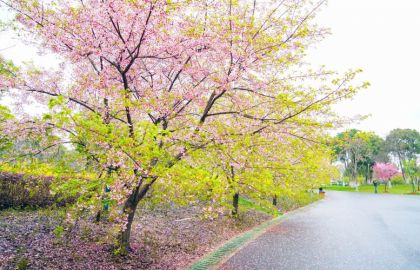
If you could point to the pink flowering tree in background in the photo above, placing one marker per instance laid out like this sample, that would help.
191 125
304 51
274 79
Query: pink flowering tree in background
384 172
145 88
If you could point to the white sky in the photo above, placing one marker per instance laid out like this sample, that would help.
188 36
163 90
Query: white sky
380 36
383 38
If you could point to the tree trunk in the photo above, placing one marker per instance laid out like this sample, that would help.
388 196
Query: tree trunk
367 175
129 209
275 200
402 168
413 184
104 190
354 169
386 184
98 215
235 201
345 165
235 204
354 172
126 232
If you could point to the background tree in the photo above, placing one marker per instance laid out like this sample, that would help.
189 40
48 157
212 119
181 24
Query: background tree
412 169
403 144
374 151
358 151
351 147
384 172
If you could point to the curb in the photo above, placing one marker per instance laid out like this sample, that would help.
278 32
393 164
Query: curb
219 255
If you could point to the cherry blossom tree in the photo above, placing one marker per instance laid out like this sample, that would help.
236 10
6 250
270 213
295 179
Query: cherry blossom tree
260 166
145 85
385 171
5 141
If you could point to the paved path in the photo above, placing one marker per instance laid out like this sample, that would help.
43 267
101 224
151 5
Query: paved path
345 231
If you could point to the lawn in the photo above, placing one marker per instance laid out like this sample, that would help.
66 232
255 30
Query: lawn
249 204
396 189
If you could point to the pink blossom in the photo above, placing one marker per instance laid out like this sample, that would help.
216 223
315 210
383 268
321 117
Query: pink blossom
385 171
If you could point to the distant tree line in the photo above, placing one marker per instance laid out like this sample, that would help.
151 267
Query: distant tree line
359 151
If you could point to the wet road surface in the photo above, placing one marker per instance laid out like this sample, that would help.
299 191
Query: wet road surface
349 231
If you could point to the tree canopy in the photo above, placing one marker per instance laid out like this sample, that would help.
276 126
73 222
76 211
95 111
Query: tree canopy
159 94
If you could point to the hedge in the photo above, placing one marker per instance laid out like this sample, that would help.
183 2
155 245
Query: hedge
21 191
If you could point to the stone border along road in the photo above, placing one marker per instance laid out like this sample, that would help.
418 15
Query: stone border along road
224 252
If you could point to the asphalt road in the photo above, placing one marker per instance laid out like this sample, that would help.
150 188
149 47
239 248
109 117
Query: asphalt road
345 231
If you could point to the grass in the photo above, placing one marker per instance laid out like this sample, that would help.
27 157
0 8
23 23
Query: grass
395 189
248 204
284 203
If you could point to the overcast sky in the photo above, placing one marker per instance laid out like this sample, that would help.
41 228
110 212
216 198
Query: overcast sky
383 38
380 36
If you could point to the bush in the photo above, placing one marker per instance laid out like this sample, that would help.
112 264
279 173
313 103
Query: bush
23 264
20 191
293 201
397 180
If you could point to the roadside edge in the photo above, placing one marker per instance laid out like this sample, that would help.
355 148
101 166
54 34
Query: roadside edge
221 254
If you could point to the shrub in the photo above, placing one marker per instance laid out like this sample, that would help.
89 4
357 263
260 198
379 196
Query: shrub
20 191
397 180
292 201
22 264
58 231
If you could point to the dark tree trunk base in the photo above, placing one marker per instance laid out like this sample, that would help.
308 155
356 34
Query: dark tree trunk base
235 204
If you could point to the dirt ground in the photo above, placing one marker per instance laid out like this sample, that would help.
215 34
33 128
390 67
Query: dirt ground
161 239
